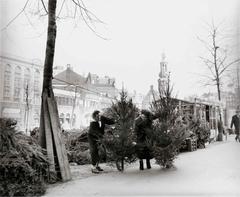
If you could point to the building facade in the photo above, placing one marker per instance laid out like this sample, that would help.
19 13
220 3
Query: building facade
77 96
20 91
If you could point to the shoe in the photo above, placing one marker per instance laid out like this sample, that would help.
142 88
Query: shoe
99 169
95 171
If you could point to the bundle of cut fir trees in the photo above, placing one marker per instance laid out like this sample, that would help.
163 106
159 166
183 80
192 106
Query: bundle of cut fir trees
23 164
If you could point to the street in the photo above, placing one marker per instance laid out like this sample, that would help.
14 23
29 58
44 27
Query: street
213 171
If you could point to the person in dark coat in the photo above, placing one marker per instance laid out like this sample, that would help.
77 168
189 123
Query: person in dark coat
95 134
236 122
143 131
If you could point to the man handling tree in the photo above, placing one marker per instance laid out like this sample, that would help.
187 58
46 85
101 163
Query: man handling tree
95 134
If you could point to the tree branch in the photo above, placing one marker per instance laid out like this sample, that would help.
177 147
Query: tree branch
207 46
227 66
11 21
88 13
207 62
61 9
221 63
43 4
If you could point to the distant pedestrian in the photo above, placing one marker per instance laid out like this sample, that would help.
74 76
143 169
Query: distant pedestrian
236 122
95 134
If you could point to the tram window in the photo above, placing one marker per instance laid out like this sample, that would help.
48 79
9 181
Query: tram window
207 113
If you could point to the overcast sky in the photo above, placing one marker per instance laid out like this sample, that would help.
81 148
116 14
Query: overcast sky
137 32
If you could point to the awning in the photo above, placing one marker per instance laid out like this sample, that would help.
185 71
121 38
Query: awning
11 113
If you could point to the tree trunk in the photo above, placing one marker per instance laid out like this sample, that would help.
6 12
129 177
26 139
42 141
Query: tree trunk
50 131
48 65
220 124
218 90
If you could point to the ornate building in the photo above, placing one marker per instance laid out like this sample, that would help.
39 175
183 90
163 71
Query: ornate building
162 82
163 74
20 90
78 96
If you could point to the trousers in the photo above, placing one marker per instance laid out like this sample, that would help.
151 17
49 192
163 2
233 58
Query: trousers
93 143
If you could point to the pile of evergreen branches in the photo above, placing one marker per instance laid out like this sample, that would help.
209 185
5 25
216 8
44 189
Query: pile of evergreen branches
202 131
23 164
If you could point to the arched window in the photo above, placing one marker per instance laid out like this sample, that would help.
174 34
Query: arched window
7 81
17 83
27 77
68 118
61 118
36 83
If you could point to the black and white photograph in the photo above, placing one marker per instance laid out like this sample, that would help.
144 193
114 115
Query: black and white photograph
104 98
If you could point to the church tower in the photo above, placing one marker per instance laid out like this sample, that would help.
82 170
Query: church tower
163 75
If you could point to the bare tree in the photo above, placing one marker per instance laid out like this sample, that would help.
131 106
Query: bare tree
218 62
50 129
49 123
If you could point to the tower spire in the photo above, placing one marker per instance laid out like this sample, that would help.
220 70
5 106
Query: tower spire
163 74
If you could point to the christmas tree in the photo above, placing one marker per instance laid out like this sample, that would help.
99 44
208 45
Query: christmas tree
168 132
202 130
119 141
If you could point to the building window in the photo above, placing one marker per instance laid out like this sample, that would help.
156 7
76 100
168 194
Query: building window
17 84
36 82
68 118
27 77
7 81
61 118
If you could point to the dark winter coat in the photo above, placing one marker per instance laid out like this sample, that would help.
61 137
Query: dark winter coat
143 131
236 122
96 131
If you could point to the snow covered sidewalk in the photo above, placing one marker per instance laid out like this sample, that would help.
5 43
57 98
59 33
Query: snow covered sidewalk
214 171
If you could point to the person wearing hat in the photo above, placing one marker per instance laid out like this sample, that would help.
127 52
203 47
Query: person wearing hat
236 122
95 133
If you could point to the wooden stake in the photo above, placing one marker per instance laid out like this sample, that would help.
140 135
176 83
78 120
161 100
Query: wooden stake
48 135
57 140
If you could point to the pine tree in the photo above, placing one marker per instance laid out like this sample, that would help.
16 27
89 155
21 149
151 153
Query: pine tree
119 144
168 132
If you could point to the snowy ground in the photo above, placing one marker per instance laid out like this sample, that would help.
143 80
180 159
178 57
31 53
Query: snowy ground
214 171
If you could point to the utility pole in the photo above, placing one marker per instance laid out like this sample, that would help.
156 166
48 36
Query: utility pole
26 115
73 108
